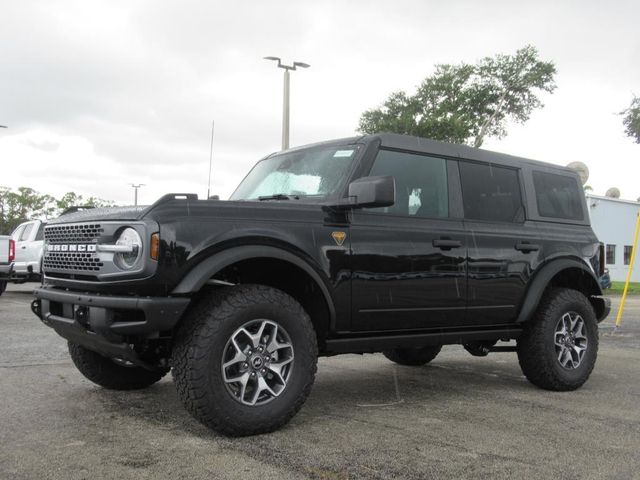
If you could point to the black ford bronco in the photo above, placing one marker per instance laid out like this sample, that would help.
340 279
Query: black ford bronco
382 243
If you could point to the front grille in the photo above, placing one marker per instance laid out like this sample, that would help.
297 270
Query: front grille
72 247
85 233
87 262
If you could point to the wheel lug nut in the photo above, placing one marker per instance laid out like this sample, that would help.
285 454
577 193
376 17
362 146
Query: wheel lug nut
263 371
253 374
245 365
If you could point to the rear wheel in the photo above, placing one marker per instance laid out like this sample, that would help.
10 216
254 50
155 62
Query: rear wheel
3 287
244 360
110 373
559 346
413 356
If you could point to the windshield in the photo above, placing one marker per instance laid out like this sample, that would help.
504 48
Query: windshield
312 172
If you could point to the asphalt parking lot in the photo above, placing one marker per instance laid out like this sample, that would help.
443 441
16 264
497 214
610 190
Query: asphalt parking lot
460 416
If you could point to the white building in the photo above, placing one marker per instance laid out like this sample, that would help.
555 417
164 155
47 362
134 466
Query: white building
614 222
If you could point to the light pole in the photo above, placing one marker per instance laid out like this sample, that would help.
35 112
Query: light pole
136 187
285 100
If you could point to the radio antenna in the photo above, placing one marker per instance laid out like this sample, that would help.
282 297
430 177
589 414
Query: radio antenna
213 122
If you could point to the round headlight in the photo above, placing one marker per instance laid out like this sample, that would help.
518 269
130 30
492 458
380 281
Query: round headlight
130 239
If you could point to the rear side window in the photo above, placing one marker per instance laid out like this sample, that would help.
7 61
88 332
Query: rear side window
17 232
26 232
491 193
558 196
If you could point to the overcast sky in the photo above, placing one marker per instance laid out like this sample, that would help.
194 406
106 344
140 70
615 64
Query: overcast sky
101 94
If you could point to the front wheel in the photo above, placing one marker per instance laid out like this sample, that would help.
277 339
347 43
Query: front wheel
244 359
558 348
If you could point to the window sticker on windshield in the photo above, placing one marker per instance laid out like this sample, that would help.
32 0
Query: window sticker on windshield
342 153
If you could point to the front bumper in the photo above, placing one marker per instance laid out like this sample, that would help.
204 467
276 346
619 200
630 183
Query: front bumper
603 307
102 323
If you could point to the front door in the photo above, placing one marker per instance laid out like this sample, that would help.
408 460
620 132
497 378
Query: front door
409 260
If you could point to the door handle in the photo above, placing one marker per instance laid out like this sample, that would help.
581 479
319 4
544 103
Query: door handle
446 243
527 247
24 247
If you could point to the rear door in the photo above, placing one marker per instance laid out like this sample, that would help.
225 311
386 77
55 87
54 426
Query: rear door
504 246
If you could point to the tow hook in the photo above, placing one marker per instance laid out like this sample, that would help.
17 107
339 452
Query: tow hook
36 308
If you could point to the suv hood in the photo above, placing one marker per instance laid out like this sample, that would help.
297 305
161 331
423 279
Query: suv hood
107 213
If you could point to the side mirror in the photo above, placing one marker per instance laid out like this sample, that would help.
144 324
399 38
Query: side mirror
368 192
373 191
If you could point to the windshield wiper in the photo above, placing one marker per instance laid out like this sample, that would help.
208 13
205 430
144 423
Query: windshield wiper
279 196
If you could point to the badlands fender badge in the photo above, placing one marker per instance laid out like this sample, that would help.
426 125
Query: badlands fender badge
339 237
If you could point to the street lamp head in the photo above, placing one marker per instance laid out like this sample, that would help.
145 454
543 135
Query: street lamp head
272 58
301 64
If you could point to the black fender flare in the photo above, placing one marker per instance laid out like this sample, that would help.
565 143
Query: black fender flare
542 279
201 273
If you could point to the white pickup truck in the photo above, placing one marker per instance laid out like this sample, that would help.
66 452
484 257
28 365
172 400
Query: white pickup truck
29 242
7 254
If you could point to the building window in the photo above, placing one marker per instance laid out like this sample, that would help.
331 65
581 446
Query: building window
611 254
627 254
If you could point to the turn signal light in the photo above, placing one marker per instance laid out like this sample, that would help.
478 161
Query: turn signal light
155 246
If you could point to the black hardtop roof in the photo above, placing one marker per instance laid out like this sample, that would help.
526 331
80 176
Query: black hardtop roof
427 146
437 148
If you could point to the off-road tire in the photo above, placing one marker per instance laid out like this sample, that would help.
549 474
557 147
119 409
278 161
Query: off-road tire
536 349
198 351
3 287
107 373
413 356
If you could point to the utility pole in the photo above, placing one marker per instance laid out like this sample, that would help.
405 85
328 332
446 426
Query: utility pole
213 123
136 187
285 99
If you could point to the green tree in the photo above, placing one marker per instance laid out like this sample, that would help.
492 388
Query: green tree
27 204
631 119
72 199
467 103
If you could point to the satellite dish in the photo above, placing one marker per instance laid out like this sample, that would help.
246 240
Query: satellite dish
613 192
582 169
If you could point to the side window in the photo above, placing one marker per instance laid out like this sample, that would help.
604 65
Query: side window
491 193
26 232
558 196
17 232
40 232
421 184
